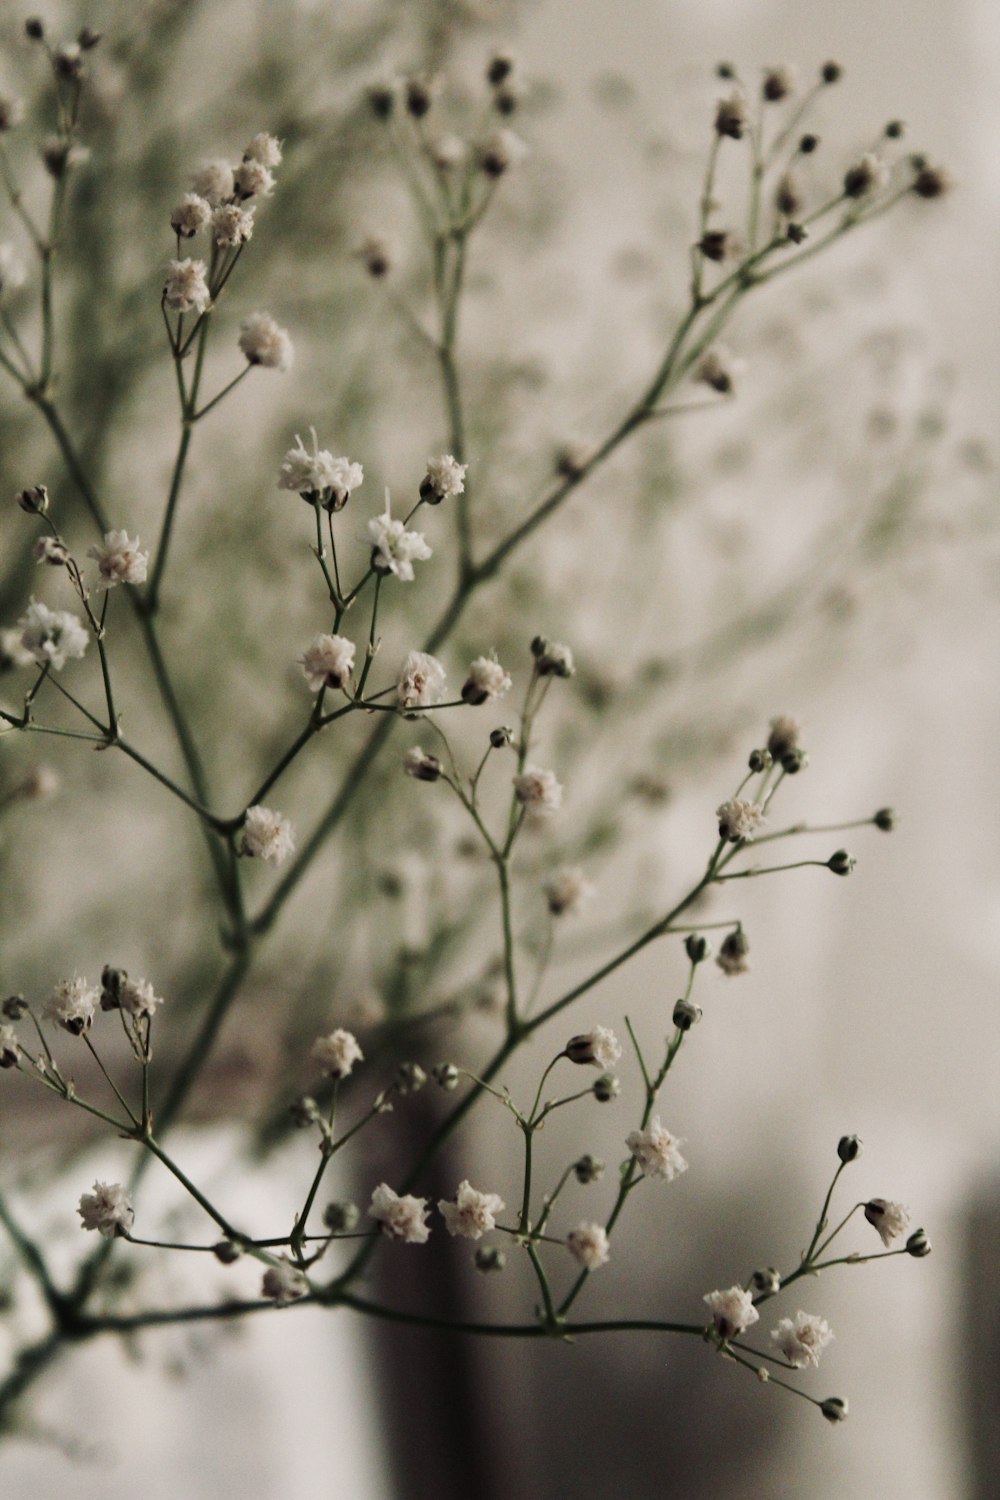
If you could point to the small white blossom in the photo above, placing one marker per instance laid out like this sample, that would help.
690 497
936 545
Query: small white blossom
267 835
137 998
473 1214
232 225
318 473
400 1218
395 549
73 1004
599 1046
214 181
445 478
12 272
283 1283
185 289
538 791
418 763
119 560
567 890
53 636
9 1048
49 549
265 149
253 180
803 1341
588 1244
12 652
191 214
421 681
328 661
486 681
266 343
337 1053
890 1219
107 1209
656 1151
739 820
732 1311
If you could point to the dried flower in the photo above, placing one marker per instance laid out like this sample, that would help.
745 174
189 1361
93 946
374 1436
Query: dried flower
931 182
486 681
588 1244
473 1214
107 1210
119 560
890 1219
328 661
191 214
588 1169
447 152
732 955
686 1014
34 500
337 1053
538 792
787 195
137 998
418 763
267 835
232 225
214 181
51 550
53 636
656 1151
732 1311
599 1046
721 245
552 658
779 82
803 1341
834 1409
445 478
186 289
265 149
784 736
400 1218
252 179
567 890
394 549
73 1004
739 820
283 1283
266 343
421 681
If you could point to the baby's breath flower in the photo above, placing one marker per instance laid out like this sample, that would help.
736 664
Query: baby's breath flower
473 1214
107 1209
445 478
318 476
253 180
12 653
60 155
784 736
51 550
328 661
732 1311
73 1004
501 151
185 289
191 214
9 1049
538 791
419 764
890 1219
567 890
803 1341
866 176
553 658
788 196
486 681
283 1283
136 998
931 182
732 955
12 272
588 1245
40 784
599 1046
731 116
214 181
656 1151
119 560
231 225
421 681
779 82
394 549
53 636
722 244
738 820
265 149
834 1409
267 835
400 1218
718 370
266 343
337 1053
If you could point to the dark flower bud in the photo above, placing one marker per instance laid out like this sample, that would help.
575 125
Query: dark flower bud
808 144
895 130
446 1076
849 1148
341 1218
796 233
489 1258
88 39
833 1409
733 950
226 1252
686 1015
606 1088
841 863
588 1169
766 1280
304 1111
831 72
34 29
697 948
112 981
725 71
34 500
501 65
501 737
885 819
794 762
14 1007
382 100
410 1078
760 760
418 97
931 182
918 1244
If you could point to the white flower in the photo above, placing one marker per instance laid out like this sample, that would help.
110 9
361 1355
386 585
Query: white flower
9 1048
252 179
328 661
599 1046
119 560
137 998
12 272
486 681
445 478
803 1341
401 1218
588 1244
418 763
421 681
232 225
319 474
473 1214
53 636
73 1004
49 549
12 652
191 214
283 1283
265 149
337 1053
732 1311
890 1219
555 660
266 343
538 791
500 151
656 1151
107 1209
739 820
567 890
214 181
267 835
395 549
185 289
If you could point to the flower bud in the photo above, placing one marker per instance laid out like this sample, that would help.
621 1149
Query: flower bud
849 1148
697 948
304 1111
588 1169
446 1076
501 66
831 72
918 1244
14 1007
767 1280
501 737
34 29
418 97
34 500
9 1049
226 1252
794 762
341 1218
489 1258
760 760
87 39
733 950
410 1078
895 130
796 233
606 1088
834 1409
885 819
841 863
422 766
808 144
382 100
554 659
112 981
686 1015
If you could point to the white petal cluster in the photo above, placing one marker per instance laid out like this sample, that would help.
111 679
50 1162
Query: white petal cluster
732 1311
473 1214
265 149
186 288
12 652
486 681
107 1209
337 1053
599 1046
395 549
9 1048
267 835
191 215
232 225
53 636
538 791
567 890
253 180
657 1151
444 480
890 1219
328 661
421 681
739 820
136 997
588 1245
283 1283
802 1342
318 473
400 1218
73 1004
264 342
119 560
214 181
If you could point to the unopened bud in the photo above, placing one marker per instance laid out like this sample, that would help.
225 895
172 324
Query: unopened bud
760 760
794 762
849 1148
588 1169
34 500
895 130
489 1258
501 66
382 99
606 1088
87 39
833 1409
410 1078
831 72
226 1252
501 737
34 29
767 1280
686 1015
304 1111
341 1218
112 981
418 97
446 1076
885 819
841 863
918 1244
697 948
14 1007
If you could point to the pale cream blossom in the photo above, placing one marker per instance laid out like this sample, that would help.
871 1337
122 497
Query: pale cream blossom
267 835
73 1004
657 1151
401 1218
421 681
264 342
599 1046
444 480
473 1214
802 1342
739 820
394 549
191 214
283 1283
890 1219
186 288
328 661
265 149
337 1053
732 1311
567 890
538 791
119 560
214 181
53 636
107 1209
232 225
588 1245
486 681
